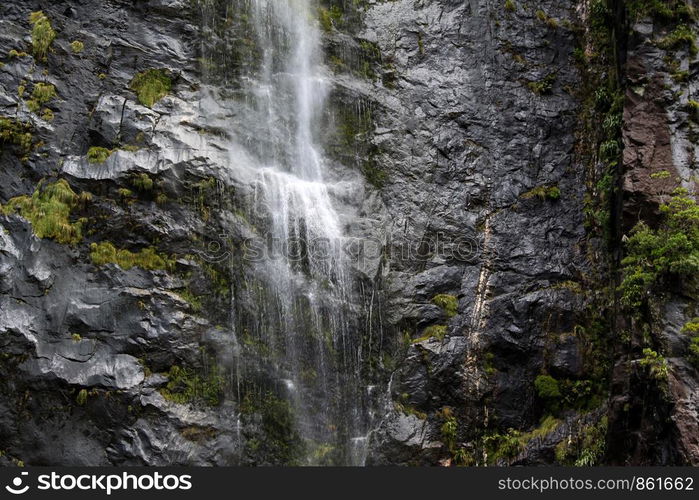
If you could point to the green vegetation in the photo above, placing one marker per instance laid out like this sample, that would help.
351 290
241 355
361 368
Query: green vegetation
693 352
544 18
17 53
151 86
547 387
16 133
329 18
654 256
97 154
449 429
193 300
280 442
448 303
77 46
507 446
434 331
142 182
49 210
42 34
81 398
106 253
510 6
682 36
692 328
543 86
543 193
186 387
655 364
585 448
41 94
666 10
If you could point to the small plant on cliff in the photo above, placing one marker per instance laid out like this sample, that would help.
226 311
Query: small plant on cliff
42 34
184 387
77 46
683 35
151 86
547 387
543 86
434 331
510 6
543 193
16 133
106 253
328 18
49 210
657 255
654 363
448 303
41 94
97 154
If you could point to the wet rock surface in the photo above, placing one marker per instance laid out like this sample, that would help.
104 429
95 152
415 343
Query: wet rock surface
475 263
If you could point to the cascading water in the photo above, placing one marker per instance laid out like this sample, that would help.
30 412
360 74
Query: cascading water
303 334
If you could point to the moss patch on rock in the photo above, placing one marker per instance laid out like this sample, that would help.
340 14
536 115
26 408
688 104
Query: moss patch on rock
151 86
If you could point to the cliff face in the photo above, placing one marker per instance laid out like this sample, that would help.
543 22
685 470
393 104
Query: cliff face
489 161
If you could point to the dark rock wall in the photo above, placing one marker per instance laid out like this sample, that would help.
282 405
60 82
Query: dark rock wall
484 282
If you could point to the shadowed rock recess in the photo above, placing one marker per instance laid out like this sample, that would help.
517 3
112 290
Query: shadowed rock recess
349 232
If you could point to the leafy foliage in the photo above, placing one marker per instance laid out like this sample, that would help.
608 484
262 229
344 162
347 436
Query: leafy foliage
654 255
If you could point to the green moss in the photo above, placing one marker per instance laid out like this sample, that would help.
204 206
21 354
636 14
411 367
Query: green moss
49 210
16 53
184 386
41 94
42 34
510 6
193 300
151 86
97 154
448 303
77 46
148 258
434 331
547 387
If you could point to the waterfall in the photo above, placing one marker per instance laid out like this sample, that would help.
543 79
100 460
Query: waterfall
305 322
